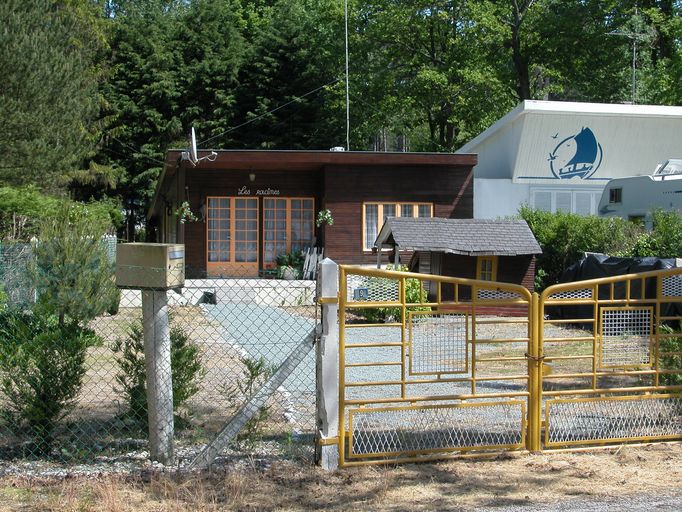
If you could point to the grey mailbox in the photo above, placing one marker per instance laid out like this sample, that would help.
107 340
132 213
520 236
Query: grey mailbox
150 266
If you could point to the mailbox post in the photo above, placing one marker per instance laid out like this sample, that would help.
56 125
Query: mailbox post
154 269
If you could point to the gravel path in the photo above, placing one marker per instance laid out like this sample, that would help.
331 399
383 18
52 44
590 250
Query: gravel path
642 503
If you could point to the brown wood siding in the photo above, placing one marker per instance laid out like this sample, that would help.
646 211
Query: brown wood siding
346 189
203 183
517 270
510 269
342 189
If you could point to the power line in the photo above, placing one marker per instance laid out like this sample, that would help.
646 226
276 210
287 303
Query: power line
294 100
137 151
297 98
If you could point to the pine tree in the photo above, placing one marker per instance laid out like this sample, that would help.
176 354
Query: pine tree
49 97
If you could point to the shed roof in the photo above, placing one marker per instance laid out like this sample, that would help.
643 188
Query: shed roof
470 237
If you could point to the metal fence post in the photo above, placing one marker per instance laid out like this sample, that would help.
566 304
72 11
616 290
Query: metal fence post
327 368
157 356
535 378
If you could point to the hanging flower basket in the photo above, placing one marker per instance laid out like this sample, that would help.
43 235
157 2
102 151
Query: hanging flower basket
184 213
324 217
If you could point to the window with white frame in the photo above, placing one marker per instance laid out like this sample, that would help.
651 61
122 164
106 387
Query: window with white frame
375 214
581 202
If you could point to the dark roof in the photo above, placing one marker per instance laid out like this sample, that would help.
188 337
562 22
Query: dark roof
470 237
226 160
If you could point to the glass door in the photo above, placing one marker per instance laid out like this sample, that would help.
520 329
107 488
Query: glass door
288 226
232 236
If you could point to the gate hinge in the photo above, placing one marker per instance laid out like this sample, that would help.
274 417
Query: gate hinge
327 441
328 300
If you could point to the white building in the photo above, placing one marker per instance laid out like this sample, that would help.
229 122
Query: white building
556 155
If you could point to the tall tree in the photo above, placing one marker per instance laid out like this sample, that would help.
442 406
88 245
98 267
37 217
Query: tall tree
173 66
434 64
49 96
293 51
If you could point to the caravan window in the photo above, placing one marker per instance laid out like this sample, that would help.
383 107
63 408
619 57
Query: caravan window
615 195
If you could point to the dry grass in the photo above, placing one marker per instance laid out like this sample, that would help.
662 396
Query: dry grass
460 484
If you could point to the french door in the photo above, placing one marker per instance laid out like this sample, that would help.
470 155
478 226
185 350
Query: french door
232 236
288 226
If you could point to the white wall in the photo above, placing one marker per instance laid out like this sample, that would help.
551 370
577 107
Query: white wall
495 198
519 156
502 198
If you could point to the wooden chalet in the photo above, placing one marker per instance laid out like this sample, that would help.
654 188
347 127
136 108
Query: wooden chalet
248 207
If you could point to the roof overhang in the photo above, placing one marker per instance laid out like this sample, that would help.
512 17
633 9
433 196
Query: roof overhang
289 160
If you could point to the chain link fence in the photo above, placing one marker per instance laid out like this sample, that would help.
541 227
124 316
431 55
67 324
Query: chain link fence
75 391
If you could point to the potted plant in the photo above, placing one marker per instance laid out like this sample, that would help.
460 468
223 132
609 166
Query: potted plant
290 265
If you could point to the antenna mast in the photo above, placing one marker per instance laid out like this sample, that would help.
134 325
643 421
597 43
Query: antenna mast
347 95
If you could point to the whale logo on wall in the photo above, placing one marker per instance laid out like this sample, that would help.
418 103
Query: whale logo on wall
578 155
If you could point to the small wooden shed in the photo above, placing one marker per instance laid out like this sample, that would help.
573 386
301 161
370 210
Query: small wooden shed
490 250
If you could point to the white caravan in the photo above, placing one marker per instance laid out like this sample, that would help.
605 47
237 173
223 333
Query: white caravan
635 197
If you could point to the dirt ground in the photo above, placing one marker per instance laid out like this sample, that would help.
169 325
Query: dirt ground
465 484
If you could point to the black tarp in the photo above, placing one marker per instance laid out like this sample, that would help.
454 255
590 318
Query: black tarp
593 266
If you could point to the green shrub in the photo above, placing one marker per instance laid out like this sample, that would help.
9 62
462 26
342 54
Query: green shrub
44 349
255 373
23 209
672 344
413 294
565 237
186 369
42 364
294 260
71 271
665 238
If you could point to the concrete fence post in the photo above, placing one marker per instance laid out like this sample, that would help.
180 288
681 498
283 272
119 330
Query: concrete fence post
327 368
157 356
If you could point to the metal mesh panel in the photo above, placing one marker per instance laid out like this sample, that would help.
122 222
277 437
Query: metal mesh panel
15 284
438 343
672 286
371 289
227 336
483 294
625 336
584 420
394 431
583 293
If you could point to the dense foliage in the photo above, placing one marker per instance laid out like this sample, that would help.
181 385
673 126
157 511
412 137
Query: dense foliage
96 91
49 96
43 347
565 237
72 273
42 365
23 209
186 370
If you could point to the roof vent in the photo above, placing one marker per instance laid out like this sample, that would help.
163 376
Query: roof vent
337 148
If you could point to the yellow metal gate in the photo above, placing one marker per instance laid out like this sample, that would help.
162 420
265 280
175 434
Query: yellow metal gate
431 367
612 355
426 369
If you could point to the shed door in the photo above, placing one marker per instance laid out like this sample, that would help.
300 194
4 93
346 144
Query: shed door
232 236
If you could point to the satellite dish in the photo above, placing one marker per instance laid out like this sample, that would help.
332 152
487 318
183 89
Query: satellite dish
193 147
193 153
